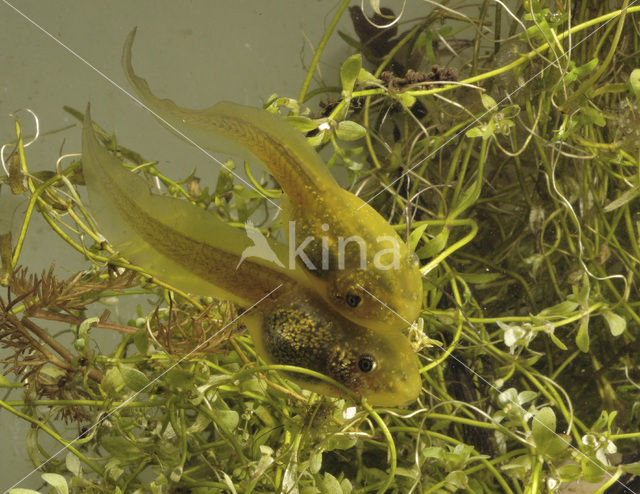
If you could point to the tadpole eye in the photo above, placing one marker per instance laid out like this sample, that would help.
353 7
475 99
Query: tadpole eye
353 300
367 363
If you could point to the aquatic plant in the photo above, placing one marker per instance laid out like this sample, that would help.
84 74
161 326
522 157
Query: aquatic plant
504 146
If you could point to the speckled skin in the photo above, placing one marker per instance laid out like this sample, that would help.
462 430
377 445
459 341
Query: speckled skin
300 329
314 200
290 324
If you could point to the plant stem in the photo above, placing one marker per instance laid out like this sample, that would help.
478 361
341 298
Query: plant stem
323 42
53 434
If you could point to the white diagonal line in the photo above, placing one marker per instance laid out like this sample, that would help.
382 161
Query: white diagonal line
106 77
128 400
507 97
485 381
251 186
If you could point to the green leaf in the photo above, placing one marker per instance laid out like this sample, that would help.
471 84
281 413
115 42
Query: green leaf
349 74
352 165
318 139
435 245
458 479
121 448
543 429
57 481
469 197
476 132
347 487
133 378
303 124
580 72
432 452
315 462
503 126
265 416
73 464
617 324
488 102
179 378
176 473
241 206
52 371
225 179
310 489
526 396
480 278
634 82
351 41
624 198
519 465
557 342
633 468
112 469
199 424
558 445
85 326
600 422
541 30
32 446
112 381
340 441
364 77
612 417
20 490
426 39
589 115
569 472
227 419
561 309
330 485
285 102
229 482
510 111
82 340
350 131
415 236
410 473
406 99
582 338
591 472
141 341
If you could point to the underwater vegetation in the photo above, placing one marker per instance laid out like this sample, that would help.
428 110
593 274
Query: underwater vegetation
502 146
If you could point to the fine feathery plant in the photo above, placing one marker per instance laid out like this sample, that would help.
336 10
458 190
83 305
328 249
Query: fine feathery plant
505 145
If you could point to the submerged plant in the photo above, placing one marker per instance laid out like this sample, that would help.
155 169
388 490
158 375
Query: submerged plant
503 146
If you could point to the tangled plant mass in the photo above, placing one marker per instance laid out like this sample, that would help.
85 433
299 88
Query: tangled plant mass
502 146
